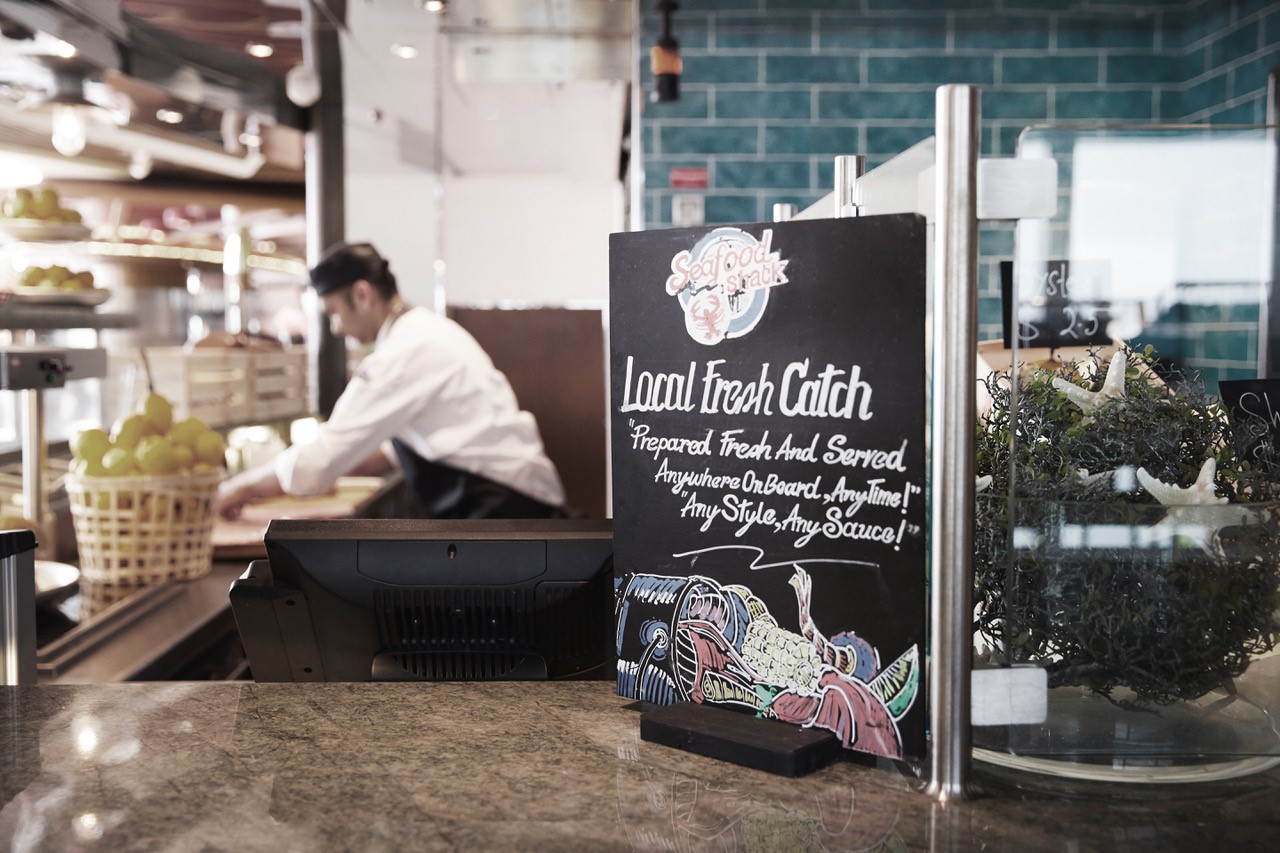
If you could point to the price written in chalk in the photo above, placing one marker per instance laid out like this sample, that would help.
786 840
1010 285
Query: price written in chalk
1058 305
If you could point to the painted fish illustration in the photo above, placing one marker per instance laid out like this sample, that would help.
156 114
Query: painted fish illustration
694 639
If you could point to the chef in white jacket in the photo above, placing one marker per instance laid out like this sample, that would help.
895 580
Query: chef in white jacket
428 398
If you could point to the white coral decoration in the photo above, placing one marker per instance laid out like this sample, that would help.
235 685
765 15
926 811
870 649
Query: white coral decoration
1198 527
1084 478
1199 493
1112 386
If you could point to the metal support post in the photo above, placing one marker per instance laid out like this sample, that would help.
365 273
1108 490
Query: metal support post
848 169
955 322
235 267
35 456
17 608
1269 333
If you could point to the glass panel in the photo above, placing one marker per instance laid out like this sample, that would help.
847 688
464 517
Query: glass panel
1128 523
1162 237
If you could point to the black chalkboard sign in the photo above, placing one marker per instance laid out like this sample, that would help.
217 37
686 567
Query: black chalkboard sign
768 419
1058 306
1255 410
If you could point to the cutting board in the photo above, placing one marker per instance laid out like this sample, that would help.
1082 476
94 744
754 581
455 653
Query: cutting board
241 538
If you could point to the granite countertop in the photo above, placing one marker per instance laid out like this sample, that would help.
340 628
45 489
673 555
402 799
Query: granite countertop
560 766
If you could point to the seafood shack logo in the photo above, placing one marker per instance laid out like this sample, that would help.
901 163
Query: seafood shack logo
723 283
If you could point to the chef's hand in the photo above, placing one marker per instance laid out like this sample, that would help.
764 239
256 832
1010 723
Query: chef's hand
253 485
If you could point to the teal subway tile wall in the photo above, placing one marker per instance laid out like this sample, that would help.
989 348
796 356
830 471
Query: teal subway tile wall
773 90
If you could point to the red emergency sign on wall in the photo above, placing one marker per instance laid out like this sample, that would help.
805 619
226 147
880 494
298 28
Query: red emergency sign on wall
689 178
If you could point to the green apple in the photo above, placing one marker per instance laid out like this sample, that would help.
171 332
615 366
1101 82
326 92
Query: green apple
185 456
211 450
118 462
158 411
186 431
91 444
128 431
154 455
18 205
45 203
88 468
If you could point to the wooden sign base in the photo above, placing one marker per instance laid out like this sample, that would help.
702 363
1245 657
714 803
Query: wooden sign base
725 735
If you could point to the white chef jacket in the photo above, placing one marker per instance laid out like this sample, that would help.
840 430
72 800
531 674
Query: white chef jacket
429 384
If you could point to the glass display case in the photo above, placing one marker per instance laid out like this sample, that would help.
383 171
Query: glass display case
1127 520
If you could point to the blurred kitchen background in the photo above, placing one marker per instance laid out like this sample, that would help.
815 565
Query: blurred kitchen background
488 147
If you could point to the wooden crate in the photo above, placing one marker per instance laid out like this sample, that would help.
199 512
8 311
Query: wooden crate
209 384
278 384
227 387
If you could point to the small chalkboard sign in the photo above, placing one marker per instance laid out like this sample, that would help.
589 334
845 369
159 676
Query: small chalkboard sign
768 424
1060 306
1254 405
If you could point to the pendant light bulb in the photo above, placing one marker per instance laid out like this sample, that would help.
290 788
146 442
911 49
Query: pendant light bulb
302 85
140 165
68 129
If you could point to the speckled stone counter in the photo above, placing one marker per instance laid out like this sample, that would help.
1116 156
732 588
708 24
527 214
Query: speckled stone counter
560 766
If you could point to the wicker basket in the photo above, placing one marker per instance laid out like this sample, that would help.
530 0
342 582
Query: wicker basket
137 531
97 597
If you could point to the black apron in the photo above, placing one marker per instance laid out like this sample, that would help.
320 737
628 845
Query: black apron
447 492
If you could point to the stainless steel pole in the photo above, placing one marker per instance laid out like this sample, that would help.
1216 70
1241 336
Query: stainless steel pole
955 323
35 457
17 608
1269 333
848 169
10 662
235 267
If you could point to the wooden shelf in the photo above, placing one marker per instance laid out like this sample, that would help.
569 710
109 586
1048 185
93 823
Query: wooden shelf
48 317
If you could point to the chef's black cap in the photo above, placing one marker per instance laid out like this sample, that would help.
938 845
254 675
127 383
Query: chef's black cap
345 264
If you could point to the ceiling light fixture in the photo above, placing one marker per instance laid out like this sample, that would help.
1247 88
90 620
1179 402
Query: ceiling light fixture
67 106
105 132
302 85
259 49
664 57
68 125
187 84
433 6
404 51
168 116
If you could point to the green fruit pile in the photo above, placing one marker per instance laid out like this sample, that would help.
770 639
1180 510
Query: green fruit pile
148 442
41 204
55 278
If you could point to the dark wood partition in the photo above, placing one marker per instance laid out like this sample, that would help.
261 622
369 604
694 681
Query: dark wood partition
555 361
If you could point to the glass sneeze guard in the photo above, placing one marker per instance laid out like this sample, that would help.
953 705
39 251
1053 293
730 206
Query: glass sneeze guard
1128 514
